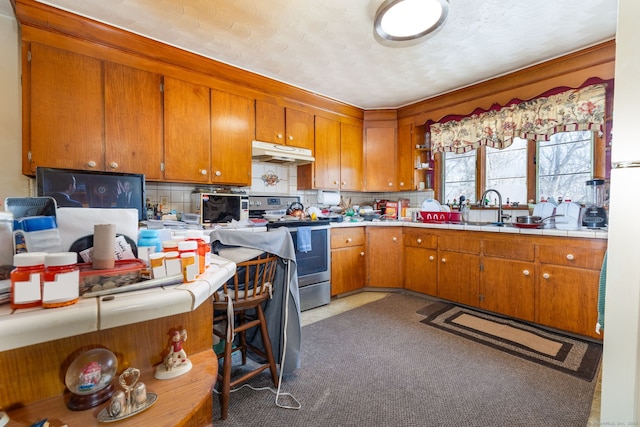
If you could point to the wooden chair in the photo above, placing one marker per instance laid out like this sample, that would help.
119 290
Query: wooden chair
239 304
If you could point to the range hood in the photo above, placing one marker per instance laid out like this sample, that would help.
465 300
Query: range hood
274 153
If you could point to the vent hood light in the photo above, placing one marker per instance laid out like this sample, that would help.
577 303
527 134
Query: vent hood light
283 154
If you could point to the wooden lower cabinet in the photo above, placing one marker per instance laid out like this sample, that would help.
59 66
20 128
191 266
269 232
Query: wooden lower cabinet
420 261
384 257
459 277
348 267
508 287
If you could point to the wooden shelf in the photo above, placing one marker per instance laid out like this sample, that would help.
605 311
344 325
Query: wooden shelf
182 401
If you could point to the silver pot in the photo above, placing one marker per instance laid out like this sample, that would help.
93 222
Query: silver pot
532 219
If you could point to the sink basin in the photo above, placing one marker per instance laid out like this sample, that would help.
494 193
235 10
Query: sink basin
489 224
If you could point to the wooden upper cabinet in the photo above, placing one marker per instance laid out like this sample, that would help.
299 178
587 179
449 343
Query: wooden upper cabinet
405 158
351 157
380 159
232 124
285 126
327 154
187 131
64 110
133 121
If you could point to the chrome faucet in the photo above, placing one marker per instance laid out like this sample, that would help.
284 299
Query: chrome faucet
501 215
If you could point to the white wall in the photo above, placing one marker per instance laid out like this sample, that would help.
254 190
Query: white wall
12 182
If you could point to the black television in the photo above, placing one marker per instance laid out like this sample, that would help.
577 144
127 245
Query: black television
92 189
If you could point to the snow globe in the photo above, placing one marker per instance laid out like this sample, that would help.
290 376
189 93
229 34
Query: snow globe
89 378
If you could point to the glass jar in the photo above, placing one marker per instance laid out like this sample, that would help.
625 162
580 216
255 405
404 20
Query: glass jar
61 282
26 280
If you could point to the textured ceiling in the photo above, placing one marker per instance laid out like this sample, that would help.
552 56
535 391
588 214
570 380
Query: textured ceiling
328 46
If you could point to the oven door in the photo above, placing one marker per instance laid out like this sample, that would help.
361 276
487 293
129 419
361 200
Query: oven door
313 266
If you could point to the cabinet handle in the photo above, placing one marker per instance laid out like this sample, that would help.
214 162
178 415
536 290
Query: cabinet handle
546 275
391 184
362 253
431 258
419 240
335 182
290 137
401 184
218 173
570 257
344 183
279 136
113 165
349 240
203 172
443 260
395 239
525 272
91 164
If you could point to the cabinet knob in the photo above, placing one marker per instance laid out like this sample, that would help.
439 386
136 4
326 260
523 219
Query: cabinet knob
395 239
279 136
91 164
217 173
349 240
391 184
113 165
431 258
525 272
344 183
443 260
401 184
362 253
203 172
546 275
570 257
419 240
290 137
335 182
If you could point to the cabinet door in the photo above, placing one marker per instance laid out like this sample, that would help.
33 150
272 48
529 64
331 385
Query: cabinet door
66 110
405 158
458 277
187 131
299 126
380 159
348 269
508 287
231 131
327 154
567 299
421 270
270 123
351 157
384 257
133 121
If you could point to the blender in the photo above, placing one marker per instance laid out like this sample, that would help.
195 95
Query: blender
595 216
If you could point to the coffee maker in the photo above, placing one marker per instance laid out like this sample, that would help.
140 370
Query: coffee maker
595 215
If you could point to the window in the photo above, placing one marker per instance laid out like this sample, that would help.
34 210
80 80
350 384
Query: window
459 176
507 171
565 163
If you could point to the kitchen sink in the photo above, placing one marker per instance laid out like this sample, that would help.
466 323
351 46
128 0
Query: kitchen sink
488 224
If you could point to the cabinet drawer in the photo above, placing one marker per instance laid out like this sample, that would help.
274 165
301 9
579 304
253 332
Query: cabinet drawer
459 242
420 238
346 237
515 249
587 256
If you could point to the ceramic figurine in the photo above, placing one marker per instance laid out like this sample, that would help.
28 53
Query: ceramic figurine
175 362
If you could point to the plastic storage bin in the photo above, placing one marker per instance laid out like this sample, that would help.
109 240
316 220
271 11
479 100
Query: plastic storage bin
125 272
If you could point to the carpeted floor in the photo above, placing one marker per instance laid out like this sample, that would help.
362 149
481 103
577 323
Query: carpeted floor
378 365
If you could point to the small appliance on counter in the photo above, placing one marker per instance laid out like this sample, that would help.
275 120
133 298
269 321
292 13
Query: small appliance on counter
595 215
545 210
568 215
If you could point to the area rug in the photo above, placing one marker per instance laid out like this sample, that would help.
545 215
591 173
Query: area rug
561 352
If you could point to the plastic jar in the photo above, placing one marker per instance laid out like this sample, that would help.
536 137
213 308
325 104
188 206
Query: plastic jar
37 234
170 246
6 238
26 280
189 262
150 238
61 283
172 263
202 248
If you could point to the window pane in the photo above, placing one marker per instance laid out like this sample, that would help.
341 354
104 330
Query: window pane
459 176
507 171
565 163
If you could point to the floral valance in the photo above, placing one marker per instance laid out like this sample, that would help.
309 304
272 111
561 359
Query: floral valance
537 119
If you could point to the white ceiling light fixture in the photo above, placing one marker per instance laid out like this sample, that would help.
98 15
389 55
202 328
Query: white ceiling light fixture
403 20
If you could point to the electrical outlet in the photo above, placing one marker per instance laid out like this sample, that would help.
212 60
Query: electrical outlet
164 200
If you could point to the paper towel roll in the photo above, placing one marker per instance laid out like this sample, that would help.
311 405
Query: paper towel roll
104 242
74 223
326 198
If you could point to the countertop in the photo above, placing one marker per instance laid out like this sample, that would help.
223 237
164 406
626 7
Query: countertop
20 328
582 233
